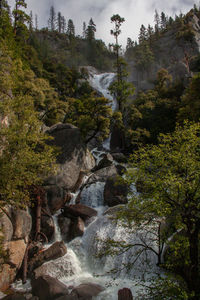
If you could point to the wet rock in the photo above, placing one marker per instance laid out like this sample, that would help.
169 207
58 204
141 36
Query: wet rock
117 139
56 198
125 294
77 228
74 155
102 174
64 224
46 287
57 250
14 297
119 157
79 210
112 211
22 223
87 290
47 226
16 253
106 161
115 191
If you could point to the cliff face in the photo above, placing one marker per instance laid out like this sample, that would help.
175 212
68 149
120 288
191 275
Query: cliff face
170 51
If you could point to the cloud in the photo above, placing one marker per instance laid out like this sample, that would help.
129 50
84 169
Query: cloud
135 12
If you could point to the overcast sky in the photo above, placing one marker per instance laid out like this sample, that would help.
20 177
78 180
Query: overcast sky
135 12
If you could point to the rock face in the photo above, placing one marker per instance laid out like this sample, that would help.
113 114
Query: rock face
22 223
46 287
73 157
106 161
102 174
56 197
115 191
57 250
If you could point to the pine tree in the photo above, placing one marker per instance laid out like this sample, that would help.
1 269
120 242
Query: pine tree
84 30
52 19
63 25
91 29
36 22
70 29
157 21
142 34
163 20
59 22
20 19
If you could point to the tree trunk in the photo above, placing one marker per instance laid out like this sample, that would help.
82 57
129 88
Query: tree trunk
38 217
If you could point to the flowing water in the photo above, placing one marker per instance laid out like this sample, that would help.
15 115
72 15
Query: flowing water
84 261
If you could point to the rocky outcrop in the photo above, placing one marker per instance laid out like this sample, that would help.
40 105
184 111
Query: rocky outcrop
46 287
22 223
106 161
57 250
73 157
119 157
115 191
56 197
102 174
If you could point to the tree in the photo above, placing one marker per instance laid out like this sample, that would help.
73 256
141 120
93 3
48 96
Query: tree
169 174
120 88
91 29
59 22
36 22
157 22
142 34
20 19
84 30
63 24
92 115
52 19
70 29
163 20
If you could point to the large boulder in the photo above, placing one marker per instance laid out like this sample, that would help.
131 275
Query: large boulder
22 223
15 297
77 228
119 157
115 191
74 155
7 276
79 210
46 287
16 253
106 161
57 250
87 290
102 174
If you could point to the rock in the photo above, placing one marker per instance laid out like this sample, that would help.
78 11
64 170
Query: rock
22 223
77 228
125 294
16 253
112 211
87 290
106 161
14 297
79 210
119 157
6 228
57 250
47 226
35 247
7 276
64 224
56 197
102 174
68 297
120 169
46 287
73 158
115 191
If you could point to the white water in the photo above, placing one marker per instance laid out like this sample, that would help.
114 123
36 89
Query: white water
82 263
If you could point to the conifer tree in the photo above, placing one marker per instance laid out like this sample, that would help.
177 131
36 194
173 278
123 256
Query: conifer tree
70 29
142 34
20 19
52 19
63 24
36 21
59 22
84 30
91 29
157 21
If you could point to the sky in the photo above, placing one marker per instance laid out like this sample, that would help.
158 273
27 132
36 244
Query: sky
135 12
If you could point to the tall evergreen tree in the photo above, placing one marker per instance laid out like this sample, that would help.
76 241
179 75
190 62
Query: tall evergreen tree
63 24
59 22
157 21
20 19
84 30
36 21
70 29
142 34
91 29
52 19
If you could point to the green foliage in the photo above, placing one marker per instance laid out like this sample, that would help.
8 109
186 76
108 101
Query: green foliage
171 173
92 115
25 157
190 101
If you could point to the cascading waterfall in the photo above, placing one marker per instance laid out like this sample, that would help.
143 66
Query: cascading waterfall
81 264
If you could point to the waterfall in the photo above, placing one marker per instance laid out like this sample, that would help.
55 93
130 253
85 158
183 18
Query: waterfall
83 263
